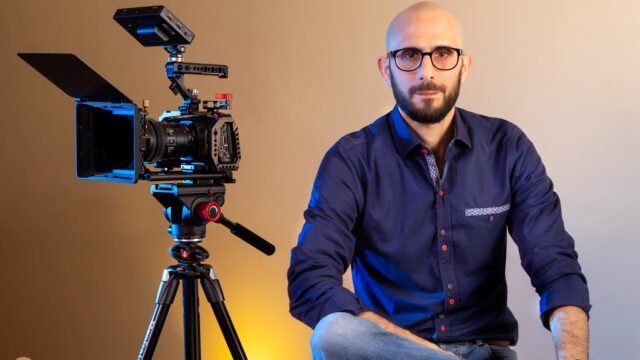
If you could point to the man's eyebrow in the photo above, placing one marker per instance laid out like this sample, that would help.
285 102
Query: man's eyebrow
423 50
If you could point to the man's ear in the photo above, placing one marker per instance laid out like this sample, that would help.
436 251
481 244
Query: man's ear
383 67
466 65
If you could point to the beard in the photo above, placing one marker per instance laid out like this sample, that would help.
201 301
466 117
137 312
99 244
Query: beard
428 113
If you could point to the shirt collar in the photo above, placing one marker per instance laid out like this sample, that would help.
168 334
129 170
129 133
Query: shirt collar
406 140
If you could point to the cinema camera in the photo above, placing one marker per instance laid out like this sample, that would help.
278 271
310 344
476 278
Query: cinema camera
197 147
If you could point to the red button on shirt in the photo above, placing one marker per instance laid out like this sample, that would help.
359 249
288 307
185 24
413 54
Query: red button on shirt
425 151
443 328
444 247
441 193
451 301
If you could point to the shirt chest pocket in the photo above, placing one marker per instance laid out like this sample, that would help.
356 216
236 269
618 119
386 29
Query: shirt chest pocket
480 234
489 213
481 221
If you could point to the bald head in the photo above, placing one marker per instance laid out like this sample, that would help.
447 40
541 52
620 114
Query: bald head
425 91
424 22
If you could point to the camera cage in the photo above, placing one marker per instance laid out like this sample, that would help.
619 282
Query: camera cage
97 99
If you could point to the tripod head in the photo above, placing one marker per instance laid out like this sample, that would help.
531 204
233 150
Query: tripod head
189 207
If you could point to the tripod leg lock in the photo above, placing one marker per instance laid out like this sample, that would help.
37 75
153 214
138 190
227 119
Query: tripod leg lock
168 288
211 287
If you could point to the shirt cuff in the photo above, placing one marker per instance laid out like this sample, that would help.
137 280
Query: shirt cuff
567 290
341 300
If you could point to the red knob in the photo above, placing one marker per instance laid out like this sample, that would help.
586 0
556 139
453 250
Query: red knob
209 211
224 96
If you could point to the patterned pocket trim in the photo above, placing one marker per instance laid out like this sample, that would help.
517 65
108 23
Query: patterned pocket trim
487 210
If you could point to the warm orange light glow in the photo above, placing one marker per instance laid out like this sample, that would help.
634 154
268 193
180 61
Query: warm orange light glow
264 325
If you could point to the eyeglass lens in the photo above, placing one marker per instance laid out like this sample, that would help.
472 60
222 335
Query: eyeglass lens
441 58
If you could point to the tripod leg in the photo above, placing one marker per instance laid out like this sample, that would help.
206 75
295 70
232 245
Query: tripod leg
213 291
166 294
191 318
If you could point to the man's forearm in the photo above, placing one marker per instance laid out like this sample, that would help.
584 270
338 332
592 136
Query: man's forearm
570 332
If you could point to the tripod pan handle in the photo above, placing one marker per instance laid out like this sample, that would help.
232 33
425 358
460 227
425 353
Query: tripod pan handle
248 236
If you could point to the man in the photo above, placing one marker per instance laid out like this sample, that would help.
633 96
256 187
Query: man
419 203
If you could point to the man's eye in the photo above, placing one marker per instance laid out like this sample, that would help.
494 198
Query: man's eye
409 54
443 53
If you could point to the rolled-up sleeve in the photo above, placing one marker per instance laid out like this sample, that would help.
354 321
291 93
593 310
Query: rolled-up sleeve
326 243
547 251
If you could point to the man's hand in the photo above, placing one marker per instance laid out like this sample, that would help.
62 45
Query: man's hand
570 332
395 329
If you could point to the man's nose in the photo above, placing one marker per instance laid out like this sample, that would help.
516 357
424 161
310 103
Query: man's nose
426 69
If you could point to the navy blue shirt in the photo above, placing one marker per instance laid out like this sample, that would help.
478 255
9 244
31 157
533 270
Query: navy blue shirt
427 250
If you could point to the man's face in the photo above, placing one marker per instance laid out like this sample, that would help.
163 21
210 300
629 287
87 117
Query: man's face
427 102
427 94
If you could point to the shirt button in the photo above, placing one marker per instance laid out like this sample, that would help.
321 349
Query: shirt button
443 328
444 247
441 193
441 316
425 151
443 232
492 218
450 286
452 301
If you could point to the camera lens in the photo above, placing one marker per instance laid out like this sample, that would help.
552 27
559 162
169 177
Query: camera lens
168 141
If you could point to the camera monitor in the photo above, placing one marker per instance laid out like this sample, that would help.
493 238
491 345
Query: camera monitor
154 26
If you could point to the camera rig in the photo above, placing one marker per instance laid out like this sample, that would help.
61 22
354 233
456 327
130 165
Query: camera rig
197 147
116 140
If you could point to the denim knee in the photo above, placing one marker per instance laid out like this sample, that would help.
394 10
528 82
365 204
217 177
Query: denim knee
342 336
335 333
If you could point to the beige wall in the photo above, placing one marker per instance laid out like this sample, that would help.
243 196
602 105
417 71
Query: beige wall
82 260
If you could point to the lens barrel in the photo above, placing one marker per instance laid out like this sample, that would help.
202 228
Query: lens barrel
169 141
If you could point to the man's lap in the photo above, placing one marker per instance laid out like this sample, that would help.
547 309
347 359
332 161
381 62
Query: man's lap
344 336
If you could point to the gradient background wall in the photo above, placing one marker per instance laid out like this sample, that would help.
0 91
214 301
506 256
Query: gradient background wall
82 260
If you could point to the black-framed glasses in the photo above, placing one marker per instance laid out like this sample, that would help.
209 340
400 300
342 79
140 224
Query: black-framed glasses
443 58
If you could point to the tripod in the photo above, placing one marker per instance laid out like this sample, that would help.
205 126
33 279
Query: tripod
189 207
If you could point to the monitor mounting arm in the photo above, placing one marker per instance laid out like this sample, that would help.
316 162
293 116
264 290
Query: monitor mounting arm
177 68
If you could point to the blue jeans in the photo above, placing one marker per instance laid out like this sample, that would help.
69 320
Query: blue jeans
342 336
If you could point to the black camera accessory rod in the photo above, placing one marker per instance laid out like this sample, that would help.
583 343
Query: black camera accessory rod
211 211
177 175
